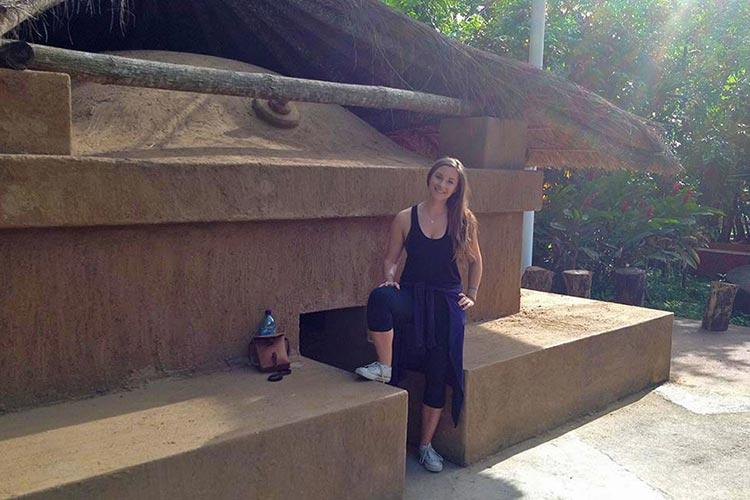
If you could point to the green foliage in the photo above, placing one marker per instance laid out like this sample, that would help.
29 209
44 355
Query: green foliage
684 63
605 221
686 299
460 19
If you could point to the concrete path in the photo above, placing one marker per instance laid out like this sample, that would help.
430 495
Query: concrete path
689 438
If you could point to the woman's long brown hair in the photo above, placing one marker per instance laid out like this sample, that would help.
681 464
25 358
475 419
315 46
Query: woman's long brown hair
462 225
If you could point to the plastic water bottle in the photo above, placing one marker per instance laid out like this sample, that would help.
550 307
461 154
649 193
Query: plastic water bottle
267 327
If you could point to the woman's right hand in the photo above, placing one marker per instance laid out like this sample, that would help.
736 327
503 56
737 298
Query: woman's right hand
394 284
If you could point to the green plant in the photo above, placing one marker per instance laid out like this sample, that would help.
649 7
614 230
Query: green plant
687 299
683 63
604 221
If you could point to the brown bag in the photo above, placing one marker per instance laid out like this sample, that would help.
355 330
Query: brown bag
270 354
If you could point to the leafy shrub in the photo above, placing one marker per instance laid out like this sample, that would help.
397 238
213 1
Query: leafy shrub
603 221
686 300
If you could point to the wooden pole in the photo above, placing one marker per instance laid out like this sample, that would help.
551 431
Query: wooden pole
578 282
115 70
537 278
630 286
719 306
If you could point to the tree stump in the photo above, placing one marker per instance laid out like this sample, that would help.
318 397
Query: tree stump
578 282
719 306
630 286
537 278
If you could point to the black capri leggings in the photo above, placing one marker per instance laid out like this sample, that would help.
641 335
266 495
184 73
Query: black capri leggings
388 307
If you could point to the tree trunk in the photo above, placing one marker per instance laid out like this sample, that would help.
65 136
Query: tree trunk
719 306
739 228
578 282
537 278
630 286
743 222
728 222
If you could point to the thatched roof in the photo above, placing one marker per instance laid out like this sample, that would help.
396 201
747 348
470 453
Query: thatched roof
364 41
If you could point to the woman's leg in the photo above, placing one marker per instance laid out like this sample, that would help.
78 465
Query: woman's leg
430 419
433 400
436 373
386 307
383 342
380 321
436 366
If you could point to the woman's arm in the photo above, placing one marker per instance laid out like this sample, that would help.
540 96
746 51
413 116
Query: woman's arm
395 248
475 269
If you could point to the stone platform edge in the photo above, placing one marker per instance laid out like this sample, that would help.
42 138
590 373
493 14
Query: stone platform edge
546 388
529 373
59 191
206 437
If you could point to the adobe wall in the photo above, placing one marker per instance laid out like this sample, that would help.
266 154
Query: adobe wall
114 271
35 112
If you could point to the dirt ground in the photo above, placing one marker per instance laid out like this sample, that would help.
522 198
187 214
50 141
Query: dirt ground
689 438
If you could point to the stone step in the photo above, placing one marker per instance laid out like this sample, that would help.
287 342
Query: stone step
559 358
318 433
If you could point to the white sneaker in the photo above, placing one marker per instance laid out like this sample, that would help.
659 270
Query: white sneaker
430 459
376 371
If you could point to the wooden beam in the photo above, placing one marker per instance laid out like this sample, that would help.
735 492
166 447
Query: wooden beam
115 70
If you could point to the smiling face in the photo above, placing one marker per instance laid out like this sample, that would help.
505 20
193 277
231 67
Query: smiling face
443 183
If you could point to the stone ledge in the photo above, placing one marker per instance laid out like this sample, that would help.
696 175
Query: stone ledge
38 191
559 358
225 435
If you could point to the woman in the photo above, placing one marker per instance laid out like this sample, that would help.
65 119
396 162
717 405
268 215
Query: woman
437 234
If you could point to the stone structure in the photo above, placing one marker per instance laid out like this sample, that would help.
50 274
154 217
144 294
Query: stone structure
182 217
151 244
560 358
224 435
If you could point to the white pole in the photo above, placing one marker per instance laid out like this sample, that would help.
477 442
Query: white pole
536 37
536 58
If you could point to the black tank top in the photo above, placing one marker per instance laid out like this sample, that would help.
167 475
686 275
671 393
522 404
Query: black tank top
429 261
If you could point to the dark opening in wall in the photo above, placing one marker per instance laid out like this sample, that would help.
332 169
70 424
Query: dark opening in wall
337 337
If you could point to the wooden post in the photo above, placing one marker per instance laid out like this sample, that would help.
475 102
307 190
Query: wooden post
537 278
719 306
492 143
630 286
578 282
485 142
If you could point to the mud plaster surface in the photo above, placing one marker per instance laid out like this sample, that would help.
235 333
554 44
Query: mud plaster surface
35 115
93 309
646 446
171 126
156 438
546 320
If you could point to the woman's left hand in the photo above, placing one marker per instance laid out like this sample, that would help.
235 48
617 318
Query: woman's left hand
465 302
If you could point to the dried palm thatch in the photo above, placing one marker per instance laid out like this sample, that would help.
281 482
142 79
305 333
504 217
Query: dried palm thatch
15 12
364 41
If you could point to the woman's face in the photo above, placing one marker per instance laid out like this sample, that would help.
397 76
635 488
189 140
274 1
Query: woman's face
443 183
